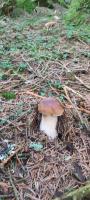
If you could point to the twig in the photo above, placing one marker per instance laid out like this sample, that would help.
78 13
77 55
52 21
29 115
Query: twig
31 197
75 92
34 94
6 196
83 42
81 109
77 78
13 186
67 96
66 105
14 124
26 112
10 157
11 86
18 160
84 110
74 106
30 68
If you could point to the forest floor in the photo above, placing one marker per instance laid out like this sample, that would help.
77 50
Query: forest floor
37 62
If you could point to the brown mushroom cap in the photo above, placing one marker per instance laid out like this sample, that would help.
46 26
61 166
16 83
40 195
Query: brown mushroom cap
50 106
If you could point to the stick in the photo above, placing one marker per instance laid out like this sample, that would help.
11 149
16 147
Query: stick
6 196
75 92
34 94
67 96
77 78
81 109
25 113
74 106
67 106
84 110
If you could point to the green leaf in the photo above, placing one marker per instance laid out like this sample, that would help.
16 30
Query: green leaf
62 97
22 67
42 94
3 77
58 84
65 55
3 122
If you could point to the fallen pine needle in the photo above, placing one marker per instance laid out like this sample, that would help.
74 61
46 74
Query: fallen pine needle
34 94
13 186
77 78
67 106
10 157
74 91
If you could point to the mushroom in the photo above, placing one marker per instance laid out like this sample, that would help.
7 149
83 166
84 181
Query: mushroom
50 108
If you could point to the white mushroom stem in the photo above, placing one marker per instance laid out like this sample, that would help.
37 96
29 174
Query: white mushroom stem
48 126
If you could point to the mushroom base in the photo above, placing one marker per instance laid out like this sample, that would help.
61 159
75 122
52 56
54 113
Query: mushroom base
48 126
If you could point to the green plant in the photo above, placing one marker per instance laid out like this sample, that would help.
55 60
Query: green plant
27 5
8 6
64 3
77 12
22 67
70 31
6 64
3 76
9 95
62 97
3 122
57 84
77 20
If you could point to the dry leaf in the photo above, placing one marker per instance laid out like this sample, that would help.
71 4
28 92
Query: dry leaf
50 24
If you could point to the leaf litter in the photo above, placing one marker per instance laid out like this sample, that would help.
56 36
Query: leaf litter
35 61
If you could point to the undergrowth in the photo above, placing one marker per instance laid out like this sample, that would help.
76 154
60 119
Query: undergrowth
78 12
77 19
28 5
